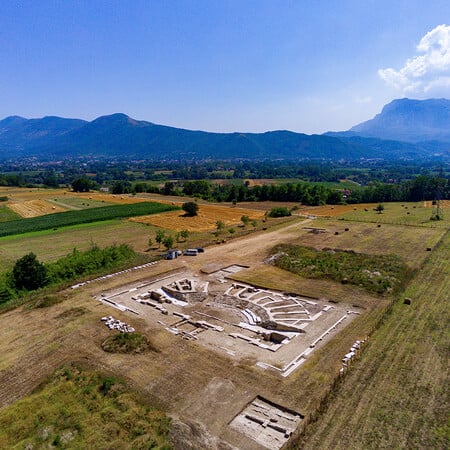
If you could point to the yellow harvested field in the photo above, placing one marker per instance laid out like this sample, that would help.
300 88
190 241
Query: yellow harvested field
125 198
16 194
335 210
206 219
444 204
34 208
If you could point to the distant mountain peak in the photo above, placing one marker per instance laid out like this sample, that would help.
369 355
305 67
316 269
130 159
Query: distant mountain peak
409 120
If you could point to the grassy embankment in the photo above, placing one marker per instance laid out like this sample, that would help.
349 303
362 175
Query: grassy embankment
81 409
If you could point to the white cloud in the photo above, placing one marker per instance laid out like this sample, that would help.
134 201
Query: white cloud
429 72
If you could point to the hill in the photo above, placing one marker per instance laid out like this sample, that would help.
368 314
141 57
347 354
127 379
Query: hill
18 134
404 129
118 135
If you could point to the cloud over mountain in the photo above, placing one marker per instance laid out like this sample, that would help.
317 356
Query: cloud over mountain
427 73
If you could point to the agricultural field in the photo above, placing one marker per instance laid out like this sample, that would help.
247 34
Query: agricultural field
188 381
109 198
7 214
335 210
206 219
34 208
408 242
401 214
69 202
68 218
397 394
18 195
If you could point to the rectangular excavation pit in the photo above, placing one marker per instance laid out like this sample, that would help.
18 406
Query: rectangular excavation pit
267 423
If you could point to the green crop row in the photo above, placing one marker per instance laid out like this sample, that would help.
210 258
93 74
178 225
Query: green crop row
67 218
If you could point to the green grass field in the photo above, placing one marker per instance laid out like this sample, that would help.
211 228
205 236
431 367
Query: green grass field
7 214
49 245
82 409
77 203
408 214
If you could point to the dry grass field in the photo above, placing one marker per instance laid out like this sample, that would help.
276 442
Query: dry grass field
205 220
444 204
18 195
409 242
397 394
415 214
34 208
110 198
335 210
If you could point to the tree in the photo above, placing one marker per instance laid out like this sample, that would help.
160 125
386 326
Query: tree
29 273
150 242
160 235
184 234
245 220
81 184
121 187
380 208
191 208
168 242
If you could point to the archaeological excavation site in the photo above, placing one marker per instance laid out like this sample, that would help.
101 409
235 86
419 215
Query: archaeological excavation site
276 330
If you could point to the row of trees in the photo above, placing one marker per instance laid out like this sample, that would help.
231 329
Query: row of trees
420 188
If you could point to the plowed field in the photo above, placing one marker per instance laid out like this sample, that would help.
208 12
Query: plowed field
206 219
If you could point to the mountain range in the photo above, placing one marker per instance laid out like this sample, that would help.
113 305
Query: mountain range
404 129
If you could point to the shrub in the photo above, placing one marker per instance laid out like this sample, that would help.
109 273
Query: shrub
126 343
279 211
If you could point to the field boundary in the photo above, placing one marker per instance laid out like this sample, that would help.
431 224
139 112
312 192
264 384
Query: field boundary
67 218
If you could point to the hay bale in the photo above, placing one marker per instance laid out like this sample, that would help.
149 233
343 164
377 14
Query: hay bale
407 301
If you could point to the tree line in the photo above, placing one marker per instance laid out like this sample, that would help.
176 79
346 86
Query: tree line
420 188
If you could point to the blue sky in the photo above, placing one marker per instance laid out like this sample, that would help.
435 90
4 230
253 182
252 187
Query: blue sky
229 65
